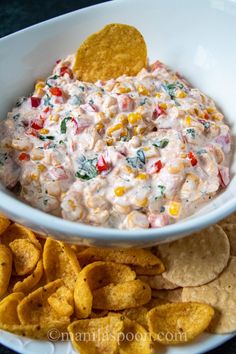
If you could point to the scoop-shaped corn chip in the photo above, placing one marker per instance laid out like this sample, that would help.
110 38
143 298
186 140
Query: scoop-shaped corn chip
62 301
137 314
5 268
25 256
115 50
8 308
28 283
154 302
16 231
179 322
132 256
42 331
135 339
4 223
158 282
94 276
60 262
121 296
35 309
152 270
97 335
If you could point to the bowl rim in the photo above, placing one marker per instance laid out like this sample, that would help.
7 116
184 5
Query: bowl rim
22 211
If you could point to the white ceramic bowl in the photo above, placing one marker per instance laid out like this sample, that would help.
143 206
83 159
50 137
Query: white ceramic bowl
196 38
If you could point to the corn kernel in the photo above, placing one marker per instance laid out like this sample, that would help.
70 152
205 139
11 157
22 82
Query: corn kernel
162 105
183 156
124 90
182 146
114 128
109 142
174 208
158 95
129 169
72 204
34 177
100 116
142 176
176 169
124 132
41 168
210 110
146 148
142 90
119 191
181 94
188 121
43 131
54 118
123 119
217 116
133 118
142 203
39 87
139 130
99 127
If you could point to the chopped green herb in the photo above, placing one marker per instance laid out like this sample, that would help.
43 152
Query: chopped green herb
51 78
161 144
144 101
63 125
160 191
46 137
171 88
61 142
191 131
162 209
137 162
82 88
91 101
46 101
87 168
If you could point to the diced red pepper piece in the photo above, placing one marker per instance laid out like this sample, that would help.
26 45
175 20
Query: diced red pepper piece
102 165
46 110
24 157
37 124
158 166
35 101
31 132
58 61
158 111
65 70
192 158
206 115
56 91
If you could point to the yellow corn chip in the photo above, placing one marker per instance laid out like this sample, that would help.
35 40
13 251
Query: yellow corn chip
179 322
115 50
8 309
4 223
25 256
62 301
28 283
5 268
60 262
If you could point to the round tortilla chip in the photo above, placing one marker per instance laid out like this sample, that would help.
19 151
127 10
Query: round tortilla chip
25 256
179 322
115 50
196 259
8 309
5 268
231 219
230 230
221 294
158 282
116 297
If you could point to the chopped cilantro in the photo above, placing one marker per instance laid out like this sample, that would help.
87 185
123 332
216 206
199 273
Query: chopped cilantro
171 88
191 131
20 101
51 78
63 125
160 191
3 158
161 144
87 168
16 116
46 137
162 209
138 161
46 101
82 88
